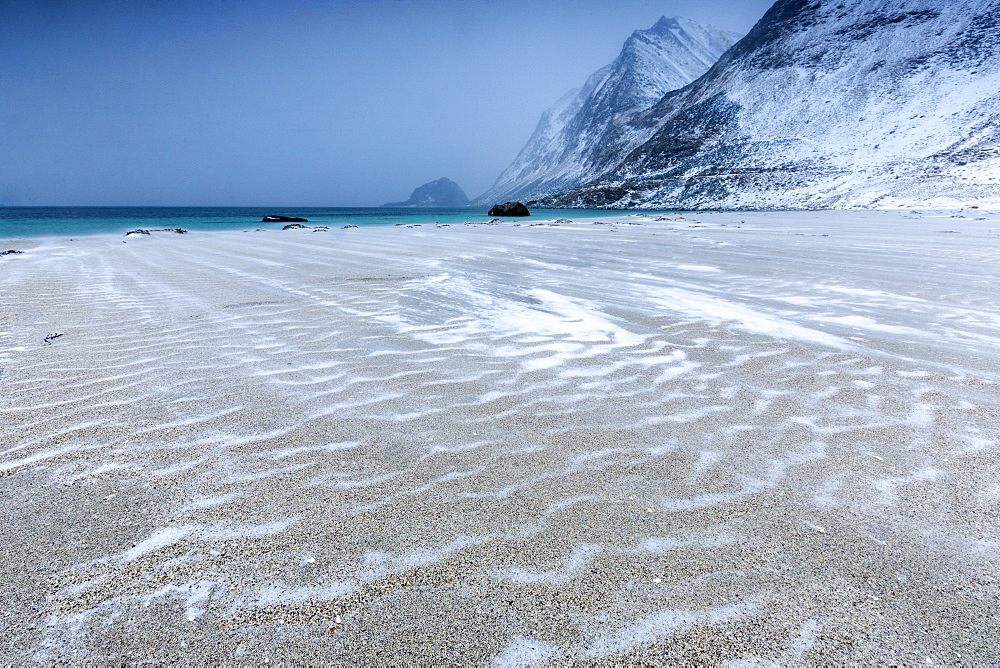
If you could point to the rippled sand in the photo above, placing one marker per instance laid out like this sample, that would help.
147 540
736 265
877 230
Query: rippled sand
709 437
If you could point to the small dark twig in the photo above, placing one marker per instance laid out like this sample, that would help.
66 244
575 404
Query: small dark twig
48 339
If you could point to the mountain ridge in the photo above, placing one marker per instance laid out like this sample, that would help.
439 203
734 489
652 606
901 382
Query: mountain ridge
590 125
826 103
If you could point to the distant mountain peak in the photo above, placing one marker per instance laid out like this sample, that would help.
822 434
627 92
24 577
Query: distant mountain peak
591 126
666 24
441 193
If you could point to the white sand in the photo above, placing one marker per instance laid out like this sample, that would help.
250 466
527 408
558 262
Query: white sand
714 437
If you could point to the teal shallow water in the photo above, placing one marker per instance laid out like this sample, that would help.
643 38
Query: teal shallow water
19 222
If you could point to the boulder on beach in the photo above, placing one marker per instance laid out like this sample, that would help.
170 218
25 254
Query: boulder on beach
295 226
283 219
11 252
509 209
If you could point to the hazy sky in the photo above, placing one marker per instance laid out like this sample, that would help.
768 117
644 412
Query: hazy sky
308 103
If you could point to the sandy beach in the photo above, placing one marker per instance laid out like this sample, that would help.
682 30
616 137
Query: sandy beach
743 438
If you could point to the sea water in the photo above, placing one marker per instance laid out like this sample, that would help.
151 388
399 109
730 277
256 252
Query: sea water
74 221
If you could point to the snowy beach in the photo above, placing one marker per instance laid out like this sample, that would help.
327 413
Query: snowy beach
701 437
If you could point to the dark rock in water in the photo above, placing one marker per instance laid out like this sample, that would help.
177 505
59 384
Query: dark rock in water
295 226
175 230
509 209
443 193
283 219
11 252
349 227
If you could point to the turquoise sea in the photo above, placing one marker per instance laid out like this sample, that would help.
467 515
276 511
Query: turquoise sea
19 222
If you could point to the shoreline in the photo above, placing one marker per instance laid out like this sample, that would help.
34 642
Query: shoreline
718 437
87 221
552 215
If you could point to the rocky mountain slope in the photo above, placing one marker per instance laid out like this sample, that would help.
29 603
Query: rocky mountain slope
443 193
591 127
827 103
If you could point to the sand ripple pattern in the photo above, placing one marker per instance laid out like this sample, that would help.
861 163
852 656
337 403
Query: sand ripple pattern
705 437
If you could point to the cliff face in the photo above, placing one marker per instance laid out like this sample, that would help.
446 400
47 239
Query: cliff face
591 127
443 193
827 103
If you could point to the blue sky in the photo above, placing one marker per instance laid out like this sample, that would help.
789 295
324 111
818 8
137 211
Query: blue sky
305 103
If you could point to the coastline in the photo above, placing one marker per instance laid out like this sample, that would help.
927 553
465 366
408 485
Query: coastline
34 222
692 437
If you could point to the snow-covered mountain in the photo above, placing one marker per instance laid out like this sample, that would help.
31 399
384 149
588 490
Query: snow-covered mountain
590 127
443 193
828 103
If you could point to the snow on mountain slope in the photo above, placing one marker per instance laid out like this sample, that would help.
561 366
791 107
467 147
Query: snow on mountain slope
589 126
828 103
